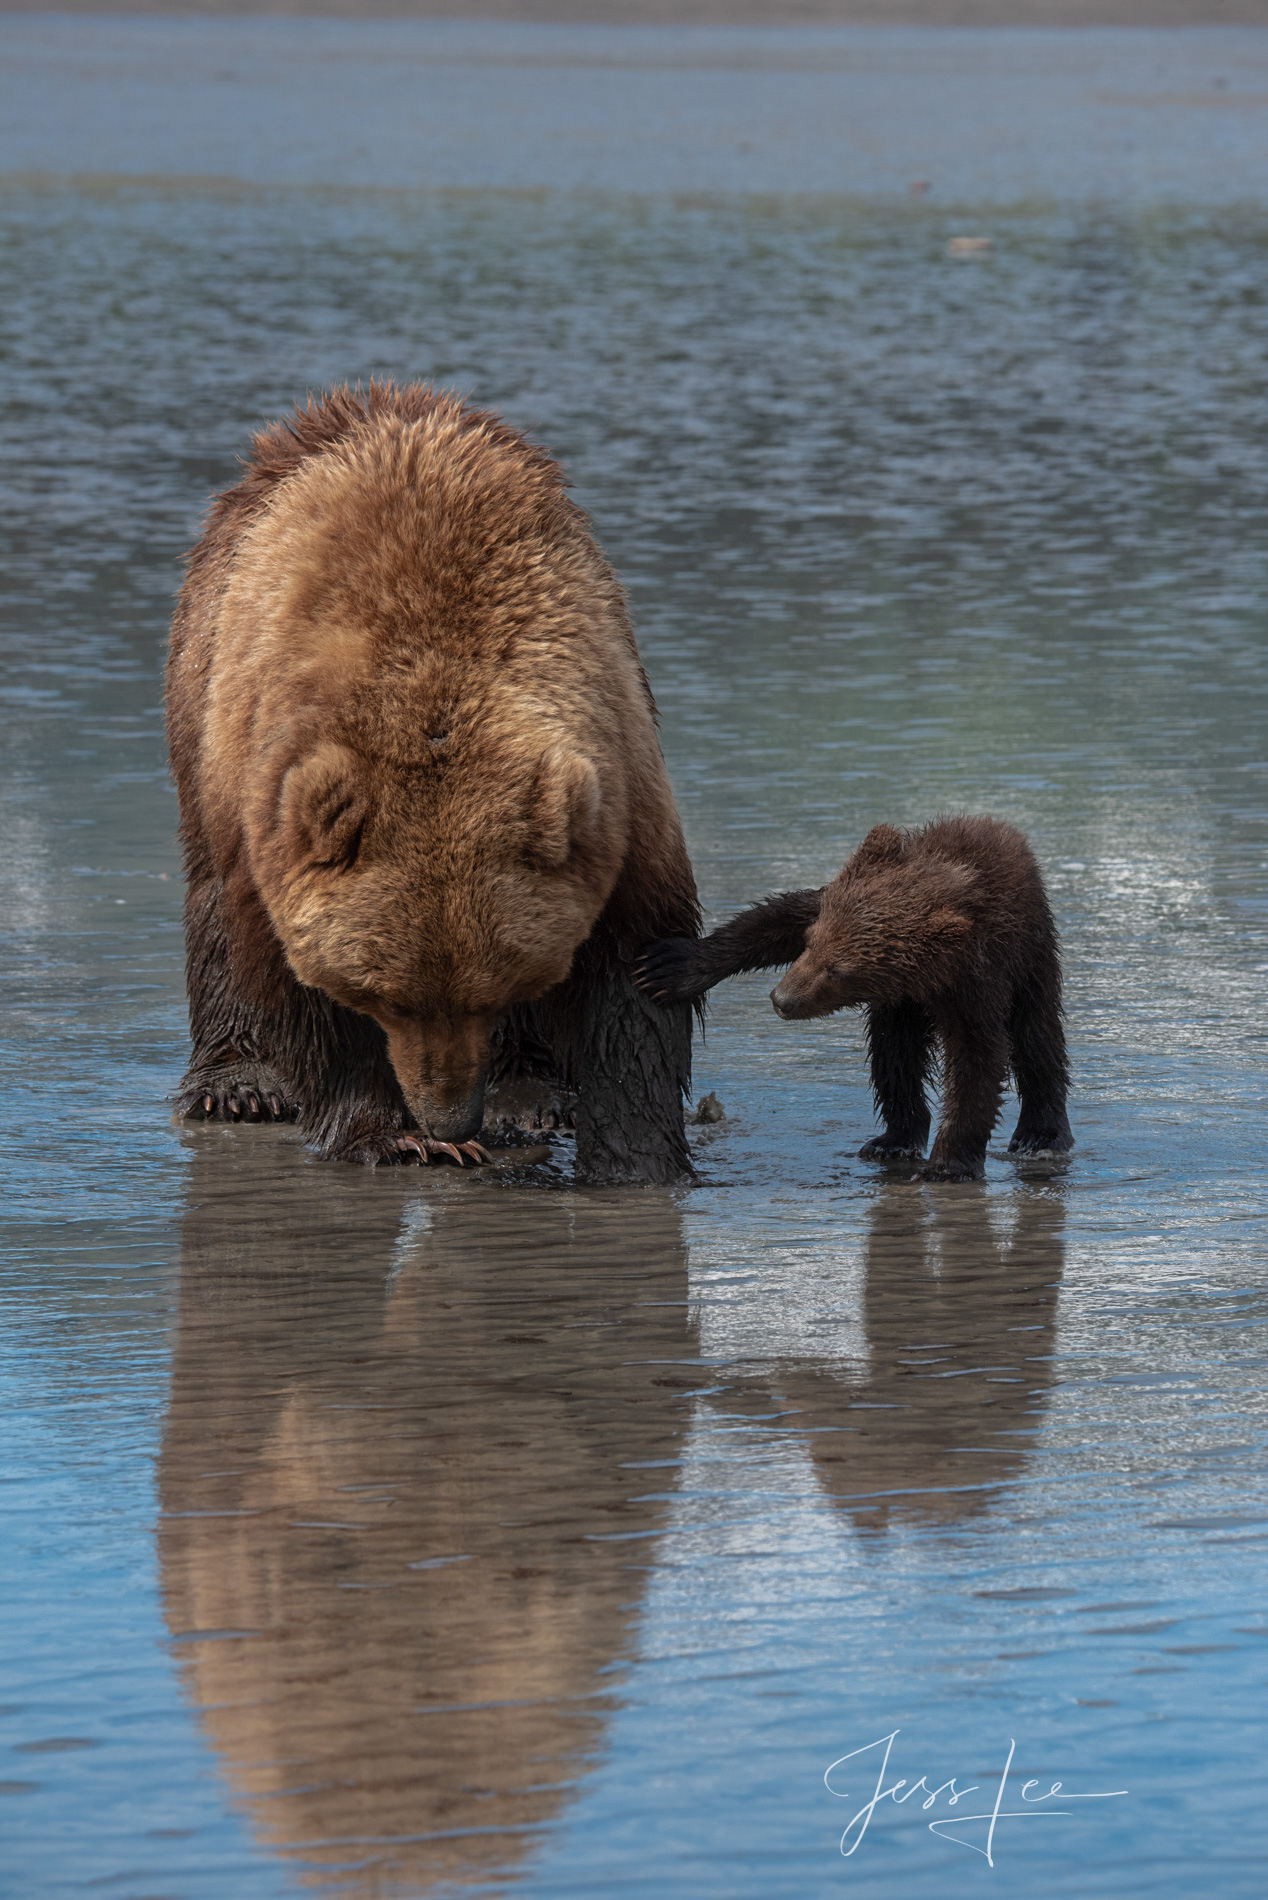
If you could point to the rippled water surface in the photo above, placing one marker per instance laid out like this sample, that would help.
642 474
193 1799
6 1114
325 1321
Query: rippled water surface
415 1534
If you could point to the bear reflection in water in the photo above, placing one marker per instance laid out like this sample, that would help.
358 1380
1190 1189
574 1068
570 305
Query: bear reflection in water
930 1402
416 1426
407 1516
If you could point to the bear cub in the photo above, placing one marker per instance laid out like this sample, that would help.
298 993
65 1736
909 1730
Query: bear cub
946 938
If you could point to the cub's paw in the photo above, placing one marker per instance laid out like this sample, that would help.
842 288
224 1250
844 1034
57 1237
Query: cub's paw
669 971
892 1148
961 1170
1052 1140
237 1097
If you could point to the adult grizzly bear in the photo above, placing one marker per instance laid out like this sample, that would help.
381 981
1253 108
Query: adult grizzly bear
425 814
946 936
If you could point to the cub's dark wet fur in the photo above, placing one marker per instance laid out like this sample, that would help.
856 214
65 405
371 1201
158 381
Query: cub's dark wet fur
946 937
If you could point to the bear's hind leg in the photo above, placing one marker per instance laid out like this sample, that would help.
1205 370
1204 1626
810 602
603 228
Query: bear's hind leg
900 1043
631 1063
1038 1061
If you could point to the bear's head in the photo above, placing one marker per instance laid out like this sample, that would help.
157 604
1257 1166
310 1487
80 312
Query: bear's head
401 895
891 925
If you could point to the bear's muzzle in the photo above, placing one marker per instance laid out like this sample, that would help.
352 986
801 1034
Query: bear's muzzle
460 1121
804 991
442 1067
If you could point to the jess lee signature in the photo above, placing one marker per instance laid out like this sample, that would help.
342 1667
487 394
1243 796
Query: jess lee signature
900 1791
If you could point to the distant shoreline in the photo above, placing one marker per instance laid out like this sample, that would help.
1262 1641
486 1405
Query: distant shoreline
1058 14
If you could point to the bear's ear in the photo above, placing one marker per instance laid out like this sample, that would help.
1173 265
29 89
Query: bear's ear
950 889
563 807
948 926
882 845
322 806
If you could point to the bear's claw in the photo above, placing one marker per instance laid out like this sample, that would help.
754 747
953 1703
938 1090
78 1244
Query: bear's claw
424 1147
239 1104
668 971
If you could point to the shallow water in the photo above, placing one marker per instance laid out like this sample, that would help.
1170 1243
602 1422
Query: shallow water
418 1534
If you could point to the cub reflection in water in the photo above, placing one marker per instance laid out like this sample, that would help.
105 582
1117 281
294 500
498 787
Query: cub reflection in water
958 1323
401 1457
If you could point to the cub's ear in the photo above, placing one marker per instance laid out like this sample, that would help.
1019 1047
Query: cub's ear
948 926
322 806
951 888
882 845
563 807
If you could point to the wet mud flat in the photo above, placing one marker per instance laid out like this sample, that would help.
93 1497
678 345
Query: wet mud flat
427 1531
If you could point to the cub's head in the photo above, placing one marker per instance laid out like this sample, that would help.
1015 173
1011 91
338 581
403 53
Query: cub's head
405 894
890 926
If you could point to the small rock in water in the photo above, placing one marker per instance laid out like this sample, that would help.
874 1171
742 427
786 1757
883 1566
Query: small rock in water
710 1109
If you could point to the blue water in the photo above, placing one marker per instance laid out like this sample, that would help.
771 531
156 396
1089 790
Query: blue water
1134 116
405 1535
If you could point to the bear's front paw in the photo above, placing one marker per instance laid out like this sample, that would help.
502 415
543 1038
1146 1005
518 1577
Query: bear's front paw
411 1149
423 1150
889 1147
236 1097
669 971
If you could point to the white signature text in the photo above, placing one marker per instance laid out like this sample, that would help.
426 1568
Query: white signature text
991 1816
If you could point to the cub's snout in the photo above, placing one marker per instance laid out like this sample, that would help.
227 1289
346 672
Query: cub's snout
805 991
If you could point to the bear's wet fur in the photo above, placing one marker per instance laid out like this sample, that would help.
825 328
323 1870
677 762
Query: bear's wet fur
946 937
425 814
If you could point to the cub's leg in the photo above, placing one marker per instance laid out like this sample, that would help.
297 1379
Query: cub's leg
1038 1058
900 1043
975 1064
763 937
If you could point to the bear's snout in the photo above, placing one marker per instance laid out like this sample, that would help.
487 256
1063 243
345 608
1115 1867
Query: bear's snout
460 1121
794 999
806 991
442 1068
